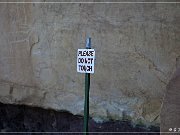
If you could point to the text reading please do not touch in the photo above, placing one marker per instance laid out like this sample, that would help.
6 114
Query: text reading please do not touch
85 60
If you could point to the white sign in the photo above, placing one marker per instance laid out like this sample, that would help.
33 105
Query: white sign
85 60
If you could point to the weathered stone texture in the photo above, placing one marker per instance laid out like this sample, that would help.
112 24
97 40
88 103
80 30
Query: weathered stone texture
170 120
136 49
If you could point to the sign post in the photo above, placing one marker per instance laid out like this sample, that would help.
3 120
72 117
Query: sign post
87 86
85 64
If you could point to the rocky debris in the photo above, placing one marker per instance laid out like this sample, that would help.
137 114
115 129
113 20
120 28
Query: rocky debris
20 118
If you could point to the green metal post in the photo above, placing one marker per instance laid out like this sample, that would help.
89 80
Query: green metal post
87 87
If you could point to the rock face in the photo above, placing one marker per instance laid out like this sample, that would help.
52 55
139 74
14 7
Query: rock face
136 50
170 120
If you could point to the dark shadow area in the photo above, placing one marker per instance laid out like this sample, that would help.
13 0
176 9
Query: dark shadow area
20 118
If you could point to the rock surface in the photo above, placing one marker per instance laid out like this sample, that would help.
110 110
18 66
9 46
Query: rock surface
170 120
136 50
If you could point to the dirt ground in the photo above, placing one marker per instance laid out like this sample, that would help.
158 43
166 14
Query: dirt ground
20 118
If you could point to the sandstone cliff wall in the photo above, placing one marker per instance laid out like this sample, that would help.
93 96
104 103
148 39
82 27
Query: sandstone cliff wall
136 50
